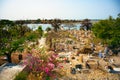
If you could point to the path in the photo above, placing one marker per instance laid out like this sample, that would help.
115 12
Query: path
9 70
42 42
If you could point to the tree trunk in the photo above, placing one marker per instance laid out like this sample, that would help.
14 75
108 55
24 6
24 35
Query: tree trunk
50 42
8 55
54 46
55 29
87 28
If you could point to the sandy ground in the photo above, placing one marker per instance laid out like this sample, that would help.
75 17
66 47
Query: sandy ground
9 71
93 74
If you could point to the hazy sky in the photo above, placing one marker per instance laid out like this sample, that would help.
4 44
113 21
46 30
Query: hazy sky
63 9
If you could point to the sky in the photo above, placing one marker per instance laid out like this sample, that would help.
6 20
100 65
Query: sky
62 9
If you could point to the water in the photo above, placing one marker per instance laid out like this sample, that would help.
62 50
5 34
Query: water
45 26
35 26
76 26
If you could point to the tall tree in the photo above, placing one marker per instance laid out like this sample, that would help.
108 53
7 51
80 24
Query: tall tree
56 24
86 24
40 31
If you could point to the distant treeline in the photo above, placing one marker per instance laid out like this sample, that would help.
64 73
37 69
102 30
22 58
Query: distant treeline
49 21
44 21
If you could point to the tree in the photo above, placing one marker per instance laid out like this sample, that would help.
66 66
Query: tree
108 31
40 30
9 40
32 36
86 23
56 24
12 37
48 29
38 21
6 23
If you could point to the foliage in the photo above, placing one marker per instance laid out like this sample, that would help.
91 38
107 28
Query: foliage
45 34
6 22
56 24
86 23
48 29
81 28
38 21
55 37
21 76
96 40
69 42
42 63
40 30
13 37
44 21
32 36
108 31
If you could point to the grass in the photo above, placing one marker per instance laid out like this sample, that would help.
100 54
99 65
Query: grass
21 76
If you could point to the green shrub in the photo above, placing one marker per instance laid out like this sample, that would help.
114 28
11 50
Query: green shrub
45 35
21 76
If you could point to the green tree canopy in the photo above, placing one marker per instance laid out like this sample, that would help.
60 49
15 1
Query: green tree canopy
13 37
108 30
48 29
40 31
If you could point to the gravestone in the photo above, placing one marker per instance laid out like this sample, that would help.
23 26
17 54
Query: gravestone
20 57
78 66
72 71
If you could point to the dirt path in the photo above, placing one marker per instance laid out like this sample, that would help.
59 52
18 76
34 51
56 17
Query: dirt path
42 42
8 71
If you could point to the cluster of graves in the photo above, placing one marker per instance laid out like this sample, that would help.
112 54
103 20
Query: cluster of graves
83 56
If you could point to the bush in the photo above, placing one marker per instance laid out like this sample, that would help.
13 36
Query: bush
42 63
21 76
45 34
